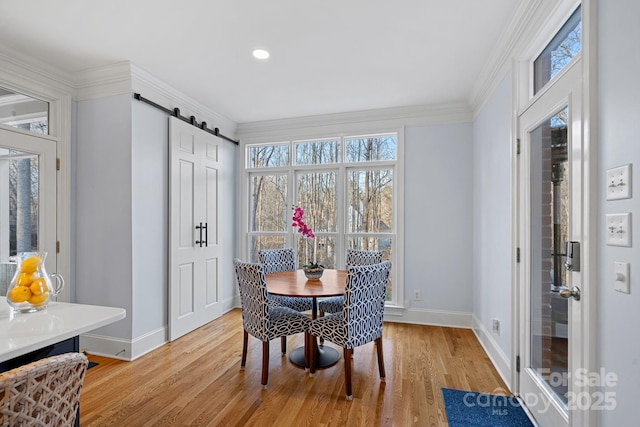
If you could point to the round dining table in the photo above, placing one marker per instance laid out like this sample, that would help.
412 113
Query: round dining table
295 284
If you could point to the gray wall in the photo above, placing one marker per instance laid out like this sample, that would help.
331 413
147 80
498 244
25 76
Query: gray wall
121 211
618 140
438 215
492 214
102 209
150 217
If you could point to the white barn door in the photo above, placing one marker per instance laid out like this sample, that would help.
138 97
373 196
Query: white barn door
195 250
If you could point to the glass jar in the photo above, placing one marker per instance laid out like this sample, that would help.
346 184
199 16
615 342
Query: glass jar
31 286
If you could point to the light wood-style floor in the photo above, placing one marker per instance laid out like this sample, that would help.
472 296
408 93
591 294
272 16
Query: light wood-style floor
196 380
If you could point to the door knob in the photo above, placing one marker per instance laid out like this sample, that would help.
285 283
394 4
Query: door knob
571 293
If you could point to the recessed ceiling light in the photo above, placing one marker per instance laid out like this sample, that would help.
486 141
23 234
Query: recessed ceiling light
260 54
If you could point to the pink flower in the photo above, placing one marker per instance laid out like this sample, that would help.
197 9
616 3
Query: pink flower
303 229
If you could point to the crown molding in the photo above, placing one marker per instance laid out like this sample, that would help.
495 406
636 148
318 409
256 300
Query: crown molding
42 79
99 82
47 82
498 63
378 120
161 93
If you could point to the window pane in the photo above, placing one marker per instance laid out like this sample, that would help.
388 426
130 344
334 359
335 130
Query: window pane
317 152
264 242
371 148
23 112
22 169
19 183
365 243
268 203
267 156
375 244
549 230
317 197
370 207
321 249
559 52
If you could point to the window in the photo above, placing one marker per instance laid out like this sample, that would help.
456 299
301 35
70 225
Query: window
564 46
23 112
346 187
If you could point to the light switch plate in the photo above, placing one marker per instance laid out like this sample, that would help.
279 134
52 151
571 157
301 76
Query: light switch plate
621 276
619 183
619 229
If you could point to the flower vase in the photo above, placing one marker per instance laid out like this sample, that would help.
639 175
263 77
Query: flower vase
313 273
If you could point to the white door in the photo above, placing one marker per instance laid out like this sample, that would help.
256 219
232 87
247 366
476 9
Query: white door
27 197
552 197
195 254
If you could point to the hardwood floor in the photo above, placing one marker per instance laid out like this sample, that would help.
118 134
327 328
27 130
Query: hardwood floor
196 380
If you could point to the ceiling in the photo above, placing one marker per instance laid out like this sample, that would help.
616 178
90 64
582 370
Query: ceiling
328 56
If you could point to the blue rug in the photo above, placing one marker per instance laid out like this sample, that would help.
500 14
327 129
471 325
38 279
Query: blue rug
472 409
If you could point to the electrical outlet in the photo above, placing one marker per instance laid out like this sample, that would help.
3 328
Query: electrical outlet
495 326
417 295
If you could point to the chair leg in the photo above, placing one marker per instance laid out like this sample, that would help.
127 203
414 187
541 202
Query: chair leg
265 364
380 359
245 338
283 345
347 372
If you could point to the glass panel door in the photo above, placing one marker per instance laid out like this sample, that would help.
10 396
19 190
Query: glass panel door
27 200
549 232
550 183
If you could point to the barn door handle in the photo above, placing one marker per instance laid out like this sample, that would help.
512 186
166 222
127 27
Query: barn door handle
206 234
200 241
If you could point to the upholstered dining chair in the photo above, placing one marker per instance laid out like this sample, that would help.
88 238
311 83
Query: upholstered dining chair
43 393
263 319
275 261
354 257
360 320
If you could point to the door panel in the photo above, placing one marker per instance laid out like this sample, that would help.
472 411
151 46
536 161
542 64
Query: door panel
550 206
194 244
27 199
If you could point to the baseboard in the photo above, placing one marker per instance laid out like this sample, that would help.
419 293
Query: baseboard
498 357
149 342
102 345
123 349
454 319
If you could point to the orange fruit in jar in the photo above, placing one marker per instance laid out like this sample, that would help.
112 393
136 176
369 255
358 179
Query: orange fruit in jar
39 299
19 294
30 265
24 279
38 286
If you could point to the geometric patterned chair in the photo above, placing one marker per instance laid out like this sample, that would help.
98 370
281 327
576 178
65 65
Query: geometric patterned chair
275 261
360 320
260 317
43 393
354 257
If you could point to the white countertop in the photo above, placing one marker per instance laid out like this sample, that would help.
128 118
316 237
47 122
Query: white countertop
21 333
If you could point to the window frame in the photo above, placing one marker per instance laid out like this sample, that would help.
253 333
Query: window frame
562 29
342 169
